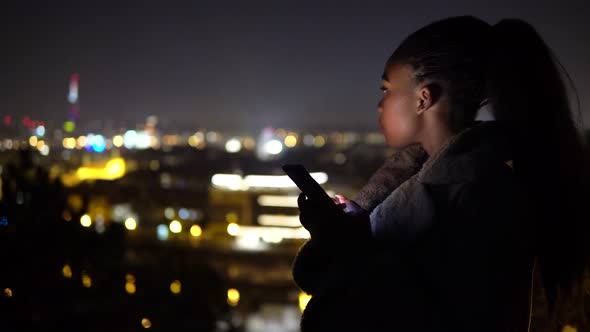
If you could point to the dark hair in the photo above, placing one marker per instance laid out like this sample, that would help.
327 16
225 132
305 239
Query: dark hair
510 66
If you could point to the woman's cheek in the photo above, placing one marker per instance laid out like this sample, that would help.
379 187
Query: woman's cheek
402 129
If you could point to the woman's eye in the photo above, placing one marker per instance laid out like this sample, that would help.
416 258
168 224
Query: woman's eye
384 89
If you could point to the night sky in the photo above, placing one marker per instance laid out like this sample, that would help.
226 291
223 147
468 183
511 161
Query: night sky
237 64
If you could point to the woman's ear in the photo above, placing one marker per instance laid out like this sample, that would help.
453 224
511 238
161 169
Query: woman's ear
428 95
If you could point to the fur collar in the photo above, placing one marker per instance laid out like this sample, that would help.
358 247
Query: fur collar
471 153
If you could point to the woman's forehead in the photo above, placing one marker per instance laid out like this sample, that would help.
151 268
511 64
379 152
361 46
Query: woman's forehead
397 73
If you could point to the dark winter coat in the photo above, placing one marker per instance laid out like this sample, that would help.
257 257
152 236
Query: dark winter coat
451 246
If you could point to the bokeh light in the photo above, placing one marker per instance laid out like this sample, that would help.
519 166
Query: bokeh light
290 141
66 271
175 287
303 300
130 224
86 280
162 232
196 230
118 141
233 296
85 220
175 226
233 145
146 323
233 229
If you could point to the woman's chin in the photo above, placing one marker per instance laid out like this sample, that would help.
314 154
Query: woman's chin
392 143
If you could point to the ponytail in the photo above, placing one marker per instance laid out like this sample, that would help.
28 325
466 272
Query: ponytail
510 65
525 85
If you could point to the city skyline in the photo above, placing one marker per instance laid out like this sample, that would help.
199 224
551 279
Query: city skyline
237 66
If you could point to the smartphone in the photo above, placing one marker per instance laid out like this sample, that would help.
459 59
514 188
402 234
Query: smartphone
306 183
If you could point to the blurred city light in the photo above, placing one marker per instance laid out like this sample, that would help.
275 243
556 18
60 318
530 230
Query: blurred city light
122 211
154 165
175 226
197 140
231 217
146 323
339 158
114 169
40 131
569 328
273 147
233 297
162 232
69 126
66 271
118 141
7 292
98 143
169 213
229 181
44 150
130 223
66 215
271 238
33 141
130 139
195 214
249 143
319 141
85 220
130 287
212 137
233 229
278 220
86 280
272 233
279 181
143 140
303 300
277 200
81 141
249 241
99 225
303 233
183 213
175 287
290 141
69 143
73 91
196 230
236 182
233 145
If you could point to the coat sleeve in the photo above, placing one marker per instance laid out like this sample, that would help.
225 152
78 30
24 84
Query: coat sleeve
319 266
319 269
404 215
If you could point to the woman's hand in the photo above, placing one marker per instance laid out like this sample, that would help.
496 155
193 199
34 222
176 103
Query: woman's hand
331 221
351 206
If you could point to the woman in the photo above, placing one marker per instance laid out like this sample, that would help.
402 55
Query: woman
448 234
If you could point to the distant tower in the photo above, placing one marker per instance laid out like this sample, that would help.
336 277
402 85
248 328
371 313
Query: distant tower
74 108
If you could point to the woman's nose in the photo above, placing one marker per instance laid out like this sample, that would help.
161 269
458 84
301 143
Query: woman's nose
380 106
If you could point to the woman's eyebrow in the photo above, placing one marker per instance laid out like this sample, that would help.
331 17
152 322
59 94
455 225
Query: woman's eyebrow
384 77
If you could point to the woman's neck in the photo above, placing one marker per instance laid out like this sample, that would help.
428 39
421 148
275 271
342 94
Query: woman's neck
435 136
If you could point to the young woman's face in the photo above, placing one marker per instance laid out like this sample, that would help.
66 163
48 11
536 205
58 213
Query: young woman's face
397 109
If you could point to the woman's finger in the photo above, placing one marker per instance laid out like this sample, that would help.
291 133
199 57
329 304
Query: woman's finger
301 201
